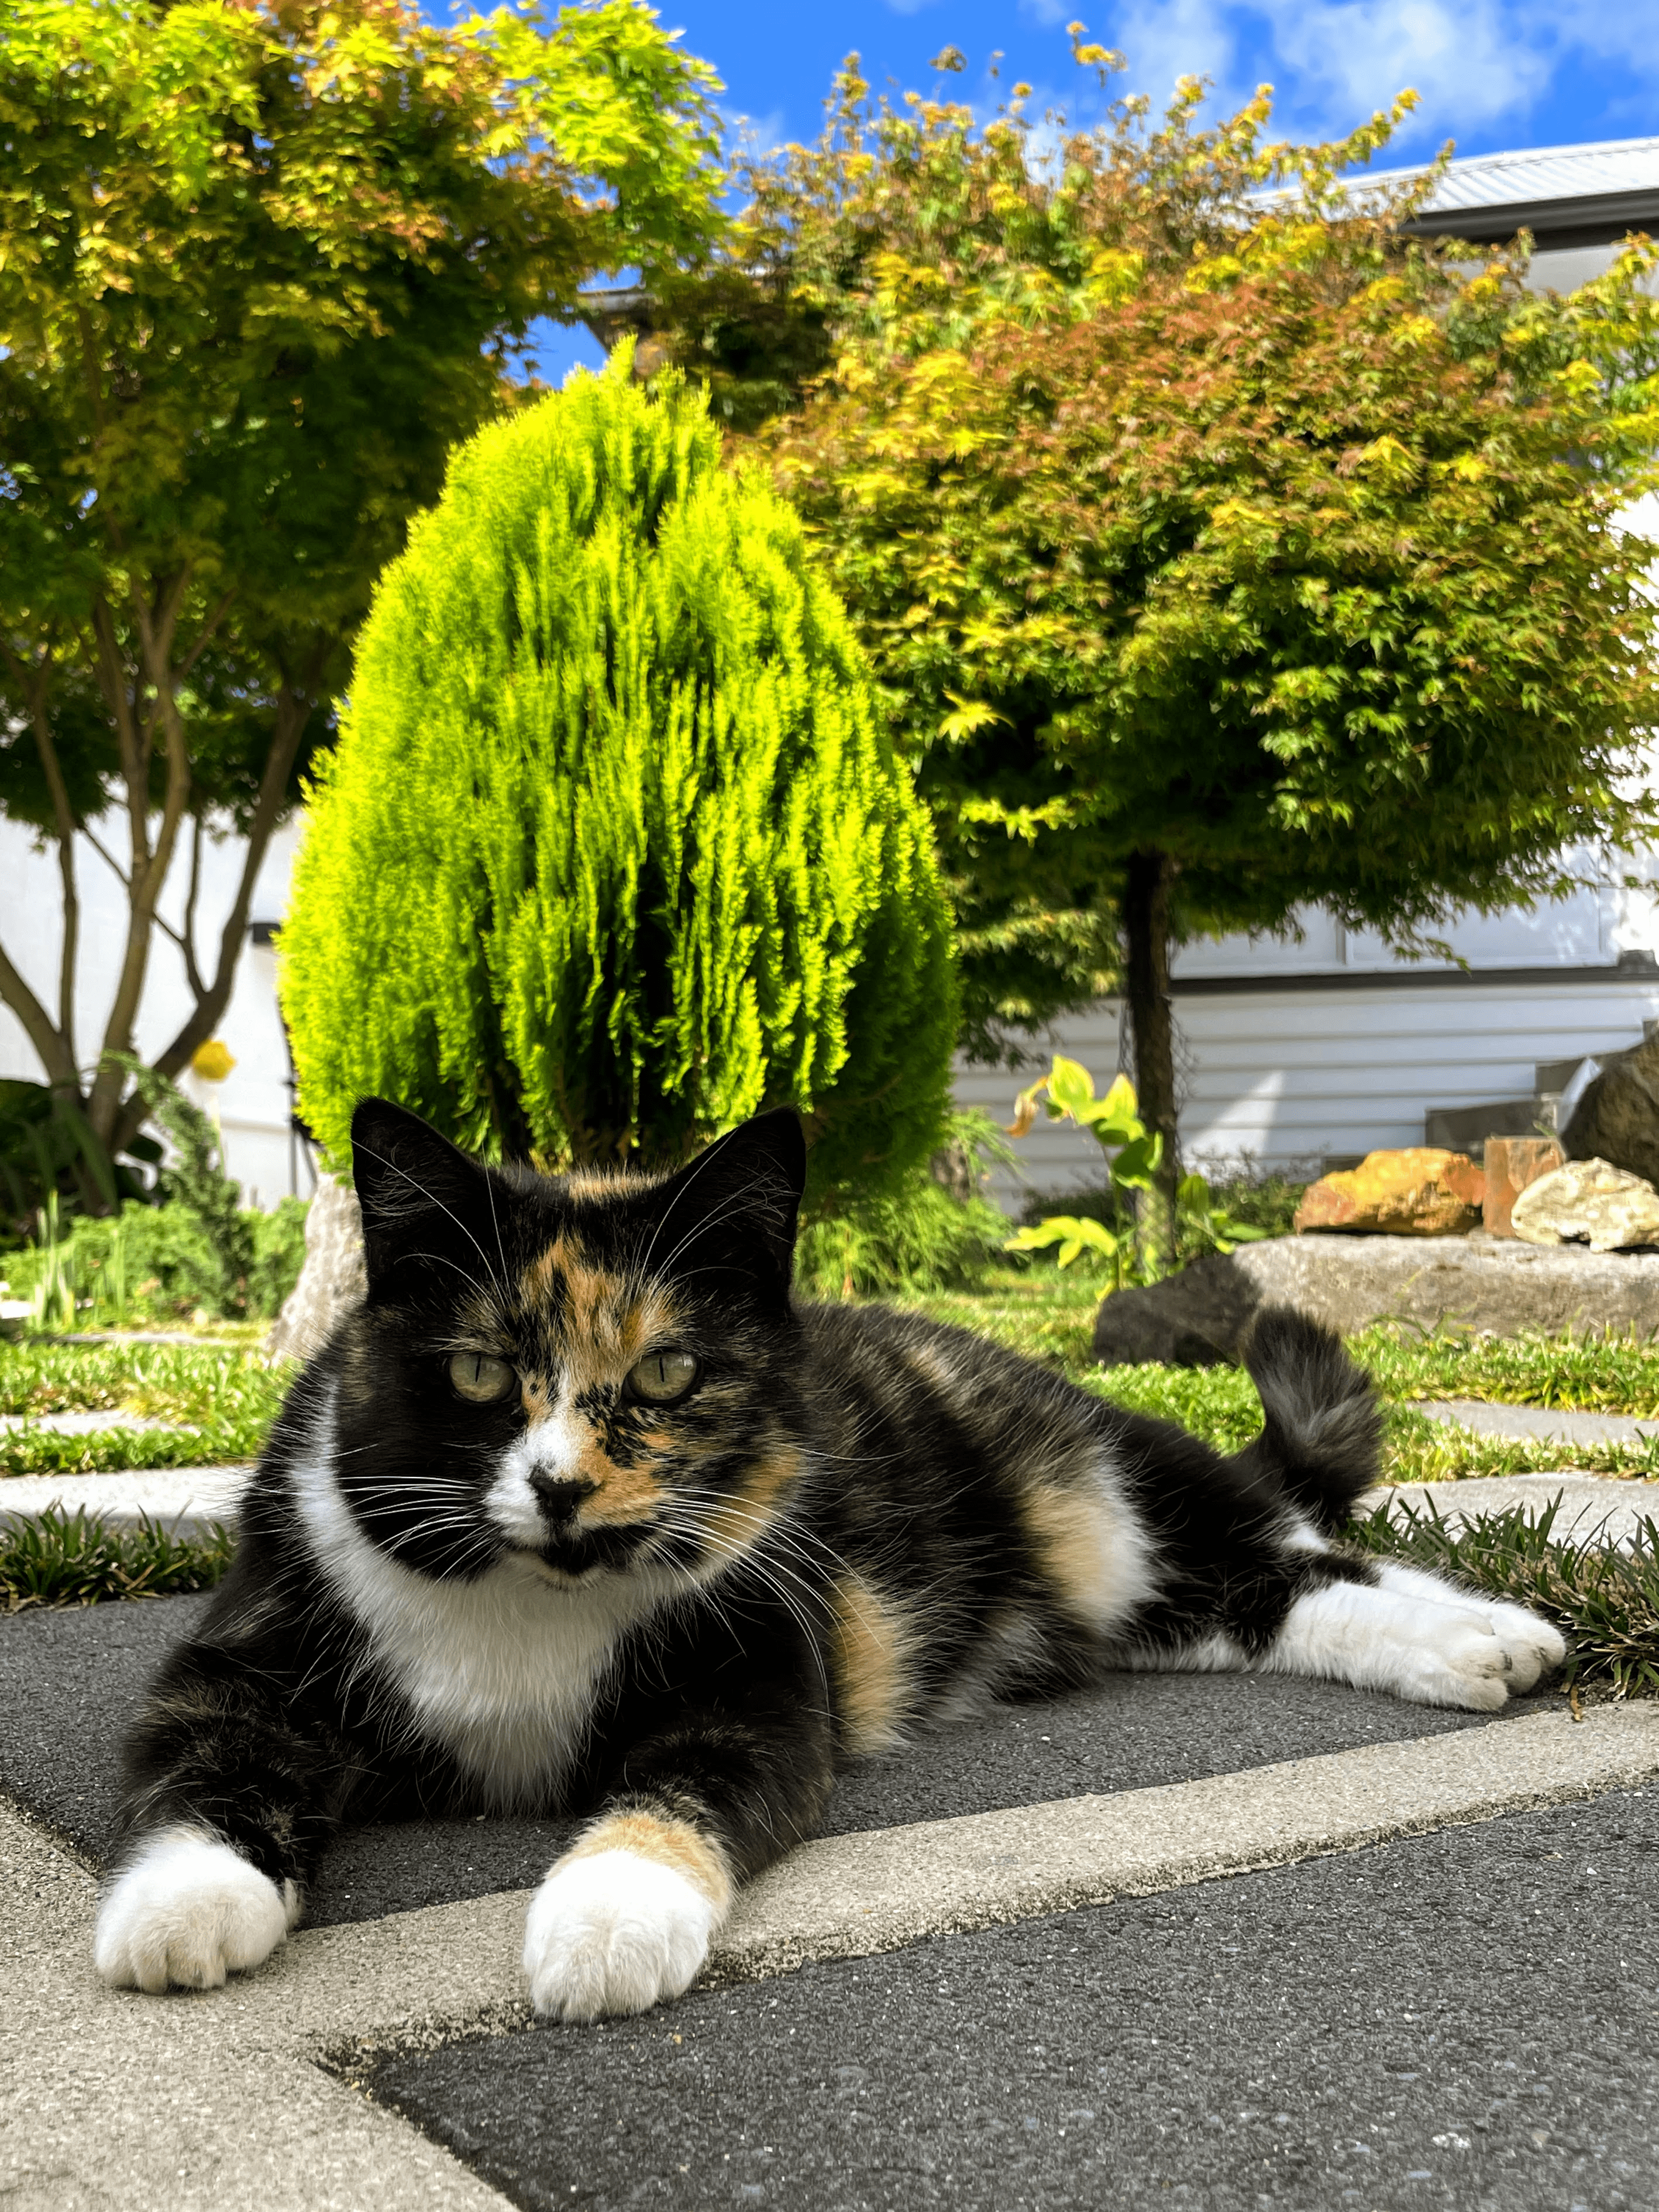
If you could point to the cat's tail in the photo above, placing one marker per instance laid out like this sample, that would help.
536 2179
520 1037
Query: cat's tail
1322 1438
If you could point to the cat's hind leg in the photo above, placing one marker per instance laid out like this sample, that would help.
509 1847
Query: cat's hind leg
1253 1571
1381 1625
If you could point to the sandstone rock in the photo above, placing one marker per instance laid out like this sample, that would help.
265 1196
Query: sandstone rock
1513 1163
1617 1119
1418 1192
1591 1201
332 1277
1475 1282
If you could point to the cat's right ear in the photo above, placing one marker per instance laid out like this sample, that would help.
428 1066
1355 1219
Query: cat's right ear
422 1198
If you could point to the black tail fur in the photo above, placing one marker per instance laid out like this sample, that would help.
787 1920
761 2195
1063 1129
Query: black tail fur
1323 1433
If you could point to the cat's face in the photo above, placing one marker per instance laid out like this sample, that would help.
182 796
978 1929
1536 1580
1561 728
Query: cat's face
591 1375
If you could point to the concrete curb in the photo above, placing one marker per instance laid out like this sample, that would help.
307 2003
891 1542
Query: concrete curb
1545 1424
847 1896
184 1498
188 2103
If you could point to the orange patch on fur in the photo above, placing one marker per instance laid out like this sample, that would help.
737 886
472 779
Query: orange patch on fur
871 1654
607 1322
739 1522
536 1397
673 1843
1090 1552
624 1495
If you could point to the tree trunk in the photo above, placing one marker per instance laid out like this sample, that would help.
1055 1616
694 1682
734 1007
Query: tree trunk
1146 930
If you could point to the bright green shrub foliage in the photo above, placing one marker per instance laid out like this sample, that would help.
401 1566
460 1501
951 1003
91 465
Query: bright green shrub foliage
614 849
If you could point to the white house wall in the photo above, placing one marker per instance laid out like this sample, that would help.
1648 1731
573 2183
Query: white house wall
253 1103
1286 1078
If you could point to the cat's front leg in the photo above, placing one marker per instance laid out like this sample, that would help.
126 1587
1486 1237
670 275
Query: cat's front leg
626 1917
185 1909
228 1798
699 1804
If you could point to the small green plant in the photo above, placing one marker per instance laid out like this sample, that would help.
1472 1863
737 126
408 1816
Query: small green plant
923 1236
154 1264
52 1300
47 1145
1606 1602
74 1559
196 1179
1257 1197
1132 1154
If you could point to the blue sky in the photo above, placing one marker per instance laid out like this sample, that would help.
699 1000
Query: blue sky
1491 73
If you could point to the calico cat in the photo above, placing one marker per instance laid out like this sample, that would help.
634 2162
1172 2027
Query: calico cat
582 1510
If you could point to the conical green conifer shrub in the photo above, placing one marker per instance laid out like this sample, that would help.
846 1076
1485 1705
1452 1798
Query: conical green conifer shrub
614 849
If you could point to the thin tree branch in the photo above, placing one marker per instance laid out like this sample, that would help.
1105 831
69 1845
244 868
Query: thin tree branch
187 943
294 706
60 1070
35 683
106 857
151 863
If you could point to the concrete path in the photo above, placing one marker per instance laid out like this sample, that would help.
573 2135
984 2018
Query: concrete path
1544 1424
184 1498
1461 2020
1589 1508
88 1424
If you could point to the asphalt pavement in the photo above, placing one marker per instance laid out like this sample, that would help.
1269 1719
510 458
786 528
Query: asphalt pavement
1209 1941
70 1679
1464 2019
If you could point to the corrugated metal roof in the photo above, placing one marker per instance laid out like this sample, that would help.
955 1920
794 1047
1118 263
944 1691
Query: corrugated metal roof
1537 173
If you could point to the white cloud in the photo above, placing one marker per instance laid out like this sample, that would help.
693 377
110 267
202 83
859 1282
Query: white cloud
1472 61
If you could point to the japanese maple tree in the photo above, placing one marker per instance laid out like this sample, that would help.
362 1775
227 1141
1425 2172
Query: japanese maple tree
262 262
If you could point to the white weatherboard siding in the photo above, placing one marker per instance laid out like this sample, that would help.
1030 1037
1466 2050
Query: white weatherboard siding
1288 1076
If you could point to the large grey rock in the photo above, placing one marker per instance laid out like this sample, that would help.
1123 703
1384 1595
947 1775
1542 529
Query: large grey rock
1589 1201
1618 1117
332 1277
1487 1284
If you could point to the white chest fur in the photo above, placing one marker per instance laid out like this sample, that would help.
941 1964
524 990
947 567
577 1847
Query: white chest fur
501 1671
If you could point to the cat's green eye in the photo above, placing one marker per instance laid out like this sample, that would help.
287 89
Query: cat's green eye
481 1380
663 1377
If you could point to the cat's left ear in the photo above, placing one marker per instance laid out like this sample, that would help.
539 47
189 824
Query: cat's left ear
422 1198
735 1206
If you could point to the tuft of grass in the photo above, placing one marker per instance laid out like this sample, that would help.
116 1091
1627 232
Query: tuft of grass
61 1558
1564 1374
221 1404
1606 1602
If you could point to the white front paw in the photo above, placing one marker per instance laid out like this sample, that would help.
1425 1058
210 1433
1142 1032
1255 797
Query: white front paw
188 1910
613 1932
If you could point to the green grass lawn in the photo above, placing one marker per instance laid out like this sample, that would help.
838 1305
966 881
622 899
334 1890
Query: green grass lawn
224 1400
1049 1315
